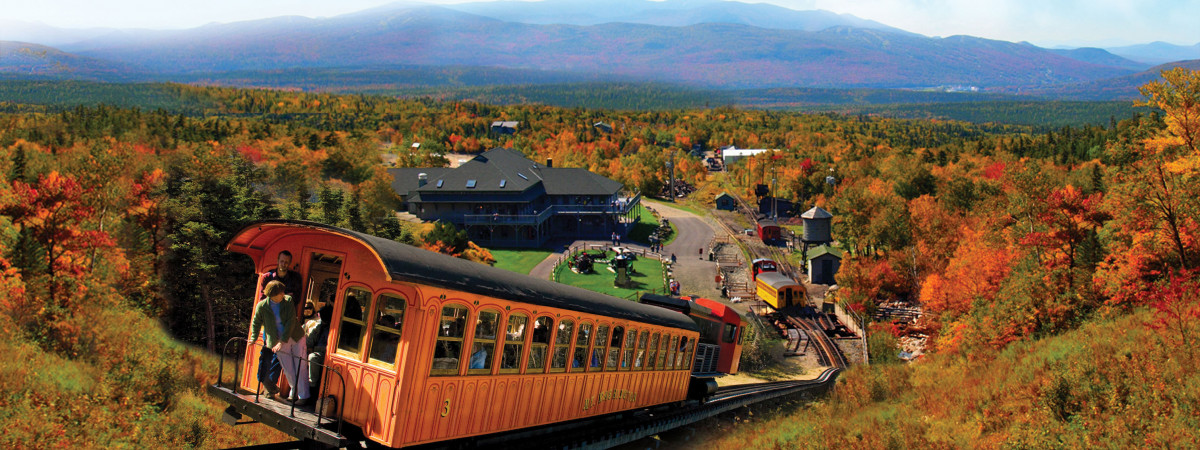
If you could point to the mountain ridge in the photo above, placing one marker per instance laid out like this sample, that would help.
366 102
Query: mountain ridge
709 54
829 51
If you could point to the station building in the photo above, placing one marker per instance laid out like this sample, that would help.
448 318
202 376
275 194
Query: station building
503 199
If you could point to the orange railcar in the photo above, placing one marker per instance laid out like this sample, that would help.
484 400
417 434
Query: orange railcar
433 348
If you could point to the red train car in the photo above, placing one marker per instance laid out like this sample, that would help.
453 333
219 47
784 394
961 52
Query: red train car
721 330
768 231
428 348
761 265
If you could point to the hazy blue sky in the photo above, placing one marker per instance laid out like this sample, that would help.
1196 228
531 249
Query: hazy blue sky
1042 22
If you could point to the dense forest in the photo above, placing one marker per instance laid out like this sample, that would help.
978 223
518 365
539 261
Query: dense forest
1017 240
980 108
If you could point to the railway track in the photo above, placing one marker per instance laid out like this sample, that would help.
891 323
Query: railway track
828 351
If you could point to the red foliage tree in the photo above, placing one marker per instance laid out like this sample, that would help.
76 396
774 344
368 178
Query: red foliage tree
1177 308
1069 219
54 216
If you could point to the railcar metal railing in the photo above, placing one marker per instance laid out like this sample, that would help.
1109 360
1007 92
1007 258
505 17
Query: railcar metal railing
300 363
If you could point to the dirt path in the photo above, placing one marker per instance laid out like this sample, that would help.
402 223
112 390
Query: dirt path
695 273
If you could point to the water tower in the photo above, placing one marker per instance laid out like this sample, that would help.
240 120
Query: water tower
817 226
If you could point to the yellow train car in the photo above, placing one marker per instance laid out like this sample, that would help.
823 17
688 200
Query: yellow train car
432 348
778 290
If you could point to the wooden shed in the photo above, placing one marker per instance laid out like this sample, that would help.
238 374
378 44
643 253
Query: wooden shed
726 202
823 264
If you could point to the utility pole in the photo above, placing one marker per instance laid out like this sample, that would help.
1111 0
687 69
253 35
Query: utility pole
671 168
774 200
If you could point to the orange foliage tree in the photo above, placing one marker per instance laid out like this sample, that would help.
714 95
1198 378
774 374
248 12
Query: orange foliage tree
976 271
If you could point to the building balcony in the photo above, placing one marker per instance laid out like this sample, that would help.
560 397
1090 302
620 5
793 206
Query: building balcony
623 206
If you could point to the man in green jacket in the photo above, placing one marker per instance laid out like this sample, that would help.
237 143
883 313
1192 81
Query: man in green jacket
275 317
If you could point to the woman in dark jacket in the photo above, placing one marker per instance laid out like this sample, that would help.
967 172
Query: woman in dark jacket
317 340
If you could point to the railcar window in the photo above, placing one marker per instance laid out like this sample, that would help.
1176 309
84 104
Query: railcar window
514 343
741 334
630 341
598 348
483 347
614 348
653 355
582 340
671 352
730 333
641 350
353 328
562 345
664 347
447 353
539 344
385 335
681 360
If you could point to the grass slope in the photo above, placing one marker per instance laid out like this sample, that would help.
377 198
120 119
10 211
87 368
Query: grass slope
125 383
1112 383
518 260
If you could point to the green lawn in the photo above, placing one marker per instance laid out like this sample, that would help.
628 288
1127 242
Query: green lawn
520 260
645 226
648 277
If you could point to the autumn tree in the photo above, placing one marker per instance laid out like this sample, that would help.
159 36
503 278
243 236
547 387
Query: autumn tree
980 264
52 214
1155 196
1170 164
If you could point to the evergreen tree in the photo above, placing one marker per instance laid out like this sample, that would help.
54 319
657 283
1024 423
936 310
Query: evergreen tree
203 281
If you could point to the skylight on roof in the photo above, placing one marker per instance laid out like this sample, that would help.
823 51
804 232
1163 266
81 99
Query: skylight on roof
503 182
523 177
440 183
470 184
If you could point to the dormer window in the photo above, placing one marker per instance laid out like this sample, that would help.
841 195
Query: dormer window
470 184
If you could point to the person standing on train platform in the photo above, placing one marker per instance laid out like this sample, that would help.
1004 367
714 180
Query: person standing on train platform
316 339
275 317
268 364
284 273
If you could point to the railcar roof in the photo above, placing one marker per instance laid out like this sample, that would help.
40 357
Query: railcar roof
677 304
776 280
406 263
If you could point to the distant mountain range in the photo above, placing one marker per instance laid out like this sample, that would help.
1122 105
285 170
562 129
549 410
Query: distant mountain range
1119 88
1158 52
671 13
702 43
